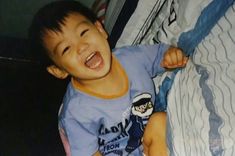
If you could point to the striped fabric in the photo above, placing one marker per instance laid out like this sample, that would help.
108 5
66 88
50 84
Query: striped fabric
99 7
206 127
201 102
112 13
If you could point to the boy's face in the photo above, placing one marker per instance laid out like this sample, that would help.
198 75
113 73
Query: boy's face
80 50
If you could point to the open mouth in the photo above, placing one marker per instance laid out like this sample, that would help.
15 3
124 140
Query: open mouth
94 60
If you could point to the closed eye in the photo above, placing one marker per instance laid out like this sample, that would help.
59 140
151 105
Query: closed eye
65 50
83 32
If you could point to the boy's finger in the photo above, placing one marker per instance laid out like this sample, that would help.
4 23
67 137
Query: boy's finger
164 64
174 57
172 66
185 60
180 57
167 59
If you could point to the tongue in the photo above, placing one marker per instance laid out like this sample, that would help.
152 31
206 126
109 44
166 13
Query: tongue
94 61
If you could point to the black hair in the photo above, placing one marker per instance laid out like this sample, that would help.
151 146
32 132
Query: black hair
51 17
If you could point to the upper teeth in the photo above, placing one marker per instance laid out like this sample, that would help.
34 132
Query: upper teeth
90 56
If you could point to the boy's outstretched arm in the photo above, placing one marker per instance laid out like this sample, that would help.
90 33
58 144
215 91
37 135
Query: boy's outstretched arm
174 58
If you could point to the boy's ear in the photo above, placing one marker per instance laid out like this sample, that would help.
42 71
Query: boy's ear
101 29
57 72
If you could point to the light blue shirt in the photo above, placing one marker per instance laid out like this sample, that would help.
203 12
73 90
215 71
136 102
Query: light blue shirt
114 126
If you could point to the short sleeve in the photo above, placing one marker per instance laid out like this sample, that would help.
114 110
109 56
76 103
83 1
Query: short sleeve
150 56
79 139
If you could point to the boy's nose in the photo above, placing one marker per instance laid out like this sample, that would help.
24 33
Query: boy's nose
82 48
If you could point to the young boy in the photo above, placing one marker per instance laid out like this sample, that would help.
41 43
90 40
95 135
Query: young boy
110 97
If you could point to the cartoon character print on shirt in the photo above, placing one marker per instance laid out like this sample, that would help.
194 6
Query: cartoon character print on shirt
115 146
131 130
142 108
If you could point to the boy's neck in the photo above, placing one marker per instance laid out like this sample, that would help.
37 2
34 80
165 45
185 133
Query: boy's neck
114 84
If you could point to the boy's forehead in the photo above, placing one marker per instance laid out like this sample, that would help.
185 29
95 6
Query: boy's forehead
72 19
52 37
76 17
50 34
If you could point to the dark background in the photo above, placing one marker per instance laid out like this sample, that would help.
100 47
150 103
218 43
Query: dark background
29 97
29 102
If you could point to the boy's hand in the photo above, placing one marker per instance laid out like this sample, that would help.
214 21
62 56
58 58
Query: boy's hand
174 58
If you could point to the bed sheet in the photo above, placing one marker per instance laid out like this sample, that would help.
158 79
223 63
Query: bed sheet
200 99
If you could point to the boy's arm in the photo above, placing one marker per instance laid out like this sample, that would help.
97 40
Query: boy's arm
154 140
158 58
97 154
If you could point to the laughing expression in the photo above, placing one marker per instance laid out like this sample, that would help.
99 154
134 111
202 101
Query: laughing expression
80 49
